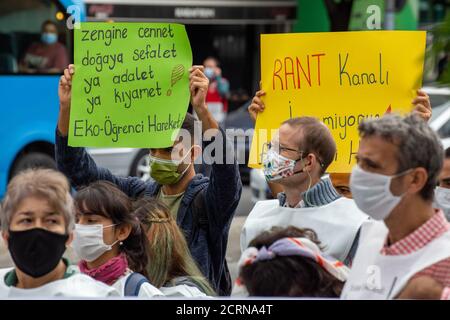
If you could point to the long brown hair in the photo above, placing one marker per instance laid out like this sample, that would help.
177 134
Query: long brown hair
168 252
105 199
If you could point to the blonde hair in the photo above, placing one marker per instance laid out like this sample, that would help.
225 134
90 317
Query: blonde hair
48 184
169 255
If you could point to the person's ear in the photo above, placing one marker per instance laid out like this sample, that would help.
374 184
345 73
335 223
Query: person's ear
195 152
308 162
123 231
5 237
70 239
418 178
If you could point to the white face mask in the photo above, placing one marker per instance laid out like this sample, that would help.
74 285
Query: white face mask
442 200
372 192
88 241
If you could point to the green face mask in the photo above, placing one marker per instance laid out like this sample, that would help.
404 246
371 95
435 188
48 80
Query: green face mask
166 171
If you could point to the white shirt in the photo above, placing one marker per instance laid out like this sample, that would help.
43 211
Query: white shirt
377 276
183 291
336 223
75 286
145 291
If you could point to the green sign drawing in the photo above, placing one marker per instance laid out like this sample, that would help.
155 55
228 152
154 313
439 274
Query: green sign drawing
131 84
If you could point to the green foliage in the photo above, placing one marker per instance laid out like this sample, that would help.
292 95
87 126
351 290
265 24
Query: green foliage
441 43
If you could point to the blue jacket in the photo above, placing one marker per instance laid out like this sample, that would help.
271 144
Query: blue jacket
222 192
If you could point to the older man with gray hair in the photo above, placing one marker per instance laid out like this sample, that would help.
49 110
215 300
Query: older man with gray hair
406 253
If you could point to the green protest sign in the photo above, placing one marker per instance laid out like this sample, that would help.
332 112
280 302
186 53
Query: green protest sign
131 84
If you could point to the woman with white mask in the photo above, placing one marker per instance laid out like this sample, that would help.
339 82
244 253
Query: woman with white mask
110 241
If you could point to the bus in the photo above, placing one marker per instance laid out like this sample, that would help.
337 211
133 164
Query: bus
29 102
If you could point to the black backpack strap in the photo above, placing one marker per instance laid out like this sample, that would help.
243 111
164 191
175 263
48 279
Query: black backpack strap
225 282
200 216
133 284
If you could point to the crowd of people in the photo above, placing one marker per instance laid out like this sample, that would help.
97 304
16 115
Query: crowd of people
387 238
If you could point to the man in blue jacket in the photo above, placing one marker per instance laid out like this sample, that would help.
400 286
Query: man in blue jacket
202 206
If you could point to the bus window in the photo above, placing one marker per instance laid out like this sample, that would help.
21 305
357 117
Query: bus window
32 37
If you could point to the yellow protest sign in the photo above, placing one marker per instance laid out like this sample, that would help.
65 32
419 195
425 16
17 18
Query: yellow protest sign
342 78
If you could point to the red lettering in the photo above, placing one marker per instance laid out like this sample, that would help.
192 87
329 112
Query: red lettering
289 73
318 65
285 72
275 74
308 77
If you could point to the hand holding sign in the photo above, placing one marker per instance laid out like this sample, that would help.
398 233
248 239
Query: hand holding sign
65 94
65 86
422 105
257 106
198 86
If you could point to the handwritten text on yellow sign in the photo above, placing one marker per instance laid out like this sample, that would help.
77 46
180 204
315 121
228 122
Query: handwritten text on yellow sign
342 78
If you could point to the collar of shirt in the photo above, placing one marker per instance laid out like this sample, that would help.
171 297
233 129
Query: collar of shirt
301 204
171 196
321 194
430 230
11 279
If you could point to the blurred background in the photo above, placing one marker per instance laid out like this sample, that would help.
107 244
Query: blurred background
226 32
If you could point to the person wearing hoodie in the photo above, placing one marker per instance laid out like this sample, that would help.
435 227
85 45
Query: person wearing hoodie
202 206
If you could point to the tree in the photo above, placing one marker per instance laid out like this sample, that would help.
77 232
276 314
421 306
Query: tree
441 48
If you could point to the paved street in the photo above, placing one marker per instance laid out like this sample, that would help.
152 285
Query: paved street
233 251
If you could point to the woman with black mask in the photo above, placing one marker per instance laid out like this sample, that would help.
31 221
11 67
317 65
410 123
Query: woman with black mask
37 220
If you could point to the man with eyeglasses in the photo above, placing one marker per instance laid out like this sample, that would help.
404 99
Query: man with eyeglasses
297 158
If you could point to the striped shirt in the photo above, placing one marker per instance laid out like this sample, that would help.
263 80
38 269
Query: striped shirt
430 230
321 194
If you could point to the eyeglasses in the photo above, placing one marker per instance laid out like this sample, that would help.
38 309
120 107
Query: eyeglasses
269 145
281 148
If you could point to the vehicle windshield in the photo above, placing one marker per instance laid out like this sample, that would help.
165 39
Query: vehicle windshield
438 100
437 111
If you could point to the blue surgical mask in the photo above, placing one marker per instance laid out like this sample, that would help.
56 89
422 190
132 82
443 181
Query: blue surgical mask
209 73
49 38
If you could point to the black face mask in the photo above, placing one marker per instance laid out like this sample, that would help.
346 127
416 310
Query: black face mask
37 251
